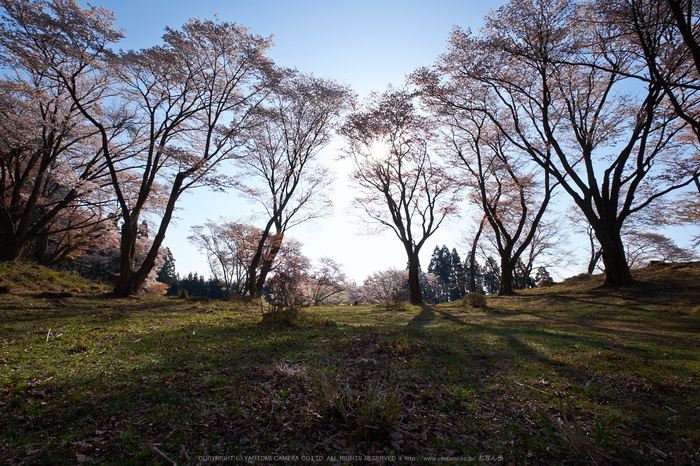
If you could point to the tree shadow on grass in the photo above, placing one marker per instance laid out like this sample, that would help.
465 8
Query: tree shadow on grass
427 315
220 382
420 320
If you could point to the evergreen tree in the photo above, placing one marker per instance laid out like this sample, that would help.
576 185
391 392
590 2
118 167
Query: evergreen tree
441 266
542 277
491 276
434 260
451 281
214 290
197 286
429 286
166 274
458 279
445 264
478 272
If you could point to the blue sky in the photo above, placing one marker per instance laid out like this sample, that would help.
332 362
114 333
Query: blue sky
365 44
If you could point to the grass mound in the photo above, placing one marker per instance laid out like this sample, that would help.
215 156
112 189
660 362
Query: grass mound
29 278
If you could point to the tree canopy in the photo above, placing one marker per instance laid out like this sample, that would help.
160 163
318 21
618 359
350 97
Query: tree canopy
595 99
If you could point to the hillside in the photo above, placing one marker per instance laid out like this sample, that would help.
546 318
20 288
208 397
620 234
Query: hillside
553 376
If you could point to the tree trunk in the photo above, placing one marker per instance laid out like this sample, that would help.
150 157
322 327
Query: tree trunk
257 257
617 271
505 288
16 236
11 249
472 261
268 261
595 257
595 253
41 248
125 285
132 281
415 293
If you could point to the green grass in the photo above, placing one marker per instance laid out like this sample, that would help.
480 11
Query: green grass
563 374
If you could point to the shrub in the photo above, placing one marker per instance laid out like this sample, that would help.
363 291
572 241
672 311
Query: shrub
294 317
286 292
395 302
280 316
372 411
474 300
545 283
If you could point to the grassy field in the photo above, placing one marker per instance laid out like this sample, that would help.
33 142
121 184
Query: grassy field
562 375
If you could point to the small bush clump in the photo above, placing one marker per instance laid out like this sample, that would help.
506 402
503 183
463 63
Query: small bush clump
395 302
371 412
281 316
474 300
295 318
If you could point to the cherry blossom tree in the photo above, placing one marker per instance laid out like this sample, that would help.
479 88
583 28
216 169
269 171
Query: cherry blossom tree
403 184
571 106
511 191
663 35
51 163
184 105
325 282
384 287
280 162
229 247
